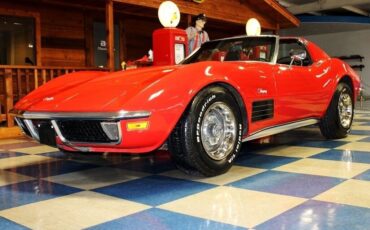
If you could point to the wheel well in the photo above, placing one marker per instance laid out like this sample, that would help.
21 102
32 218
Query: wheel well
346 79
240 102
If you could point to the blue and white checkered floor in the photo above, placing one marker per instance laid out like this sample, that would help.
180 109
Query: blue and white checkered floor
299 181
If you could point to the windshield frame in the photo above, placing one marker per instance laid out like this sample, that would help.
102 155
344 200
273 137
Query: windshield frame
273 57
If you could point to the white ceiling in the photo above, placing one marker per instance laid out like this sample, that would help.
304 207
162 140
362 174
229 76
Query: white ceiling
328 7
349 10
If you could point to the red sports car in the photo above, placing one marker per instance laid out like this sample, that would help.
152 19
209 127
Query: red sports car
228 91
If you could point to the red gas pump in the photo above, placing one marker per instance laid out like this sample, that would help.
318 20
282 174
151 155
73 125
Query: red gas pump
170 46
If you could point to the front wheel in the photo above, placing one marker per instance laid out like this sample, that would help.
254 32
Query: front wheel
337 121
208 137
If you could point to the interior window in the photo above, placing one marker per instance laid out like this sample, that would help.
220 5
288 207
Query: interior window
286 47
235 49
249 50
17 40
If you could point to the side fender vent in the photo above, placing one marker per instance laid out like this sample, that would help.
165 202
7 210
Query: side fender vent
262 110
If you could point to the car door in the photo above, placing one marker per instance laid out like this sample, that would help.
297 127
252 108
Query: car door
259 81
297 83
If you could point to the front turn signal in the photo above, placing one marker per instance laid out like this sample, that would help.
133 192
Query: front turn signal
137 126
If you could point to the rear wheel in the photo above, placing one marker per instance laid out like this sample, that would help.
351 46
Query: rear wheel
208 137
337 121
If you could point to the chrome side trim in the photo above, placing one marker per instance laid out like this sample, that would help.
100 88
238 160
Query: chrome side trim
276 51
89 115
281 128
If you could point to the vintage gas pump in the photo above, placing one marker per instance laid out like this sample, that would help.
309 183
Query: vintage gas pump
169 46
169 43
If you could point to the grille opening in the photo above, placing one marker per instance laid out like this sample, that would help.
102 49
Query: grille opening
83 131
37 123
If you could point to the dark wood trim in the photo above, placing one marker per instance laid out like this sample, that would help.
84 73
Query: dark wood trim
188 20
277 30
283 12
38 39
109 22
240 16
89 39
9 96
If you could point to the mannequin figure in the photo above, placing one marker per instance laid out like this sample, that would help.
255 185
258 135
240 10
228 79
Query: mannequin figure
196 34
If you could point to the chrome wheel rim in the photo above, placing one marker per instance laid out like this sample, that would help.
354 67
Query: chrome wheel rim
345 109
218 131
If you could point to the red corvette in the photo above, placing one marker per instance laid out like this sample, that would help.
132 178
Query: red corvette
229 91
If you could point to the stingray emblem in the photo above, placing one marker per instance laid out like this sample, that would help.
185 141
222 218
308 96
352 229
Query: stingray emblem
261 91
48 99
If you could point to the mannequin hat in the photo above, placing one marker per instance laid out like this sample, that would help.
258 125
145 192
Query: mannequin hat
201 16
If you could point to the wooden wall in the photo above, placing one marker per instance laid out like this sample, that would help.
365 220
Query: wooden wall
66 27
62 37
138 36
138 32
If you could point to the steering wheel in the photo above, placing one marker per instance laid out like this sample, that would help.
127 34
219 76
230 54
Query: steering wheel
284 60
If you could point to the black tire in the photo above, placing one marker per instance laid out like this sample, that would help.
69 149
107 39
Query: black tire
187 141
176 149
331 125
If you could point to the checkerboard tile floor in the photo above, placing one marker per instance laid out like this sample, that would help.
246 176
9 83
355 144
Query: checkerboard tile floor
298 180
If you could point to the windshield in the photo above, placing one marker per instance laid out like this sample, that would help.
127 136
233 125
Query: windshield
235 49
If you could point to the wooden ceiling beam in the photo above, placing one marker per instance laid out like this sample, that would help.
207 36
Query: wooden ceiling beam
215 9
268 12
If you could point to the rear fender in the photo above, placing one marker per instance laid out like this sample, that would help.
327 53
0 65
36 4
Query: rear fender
344 73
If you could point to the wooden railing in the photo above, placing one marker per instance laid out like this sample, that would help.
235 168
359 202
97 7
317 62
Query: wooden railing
18 81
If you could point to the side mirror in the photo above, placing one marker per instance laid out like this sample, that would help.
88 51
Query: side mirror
297 56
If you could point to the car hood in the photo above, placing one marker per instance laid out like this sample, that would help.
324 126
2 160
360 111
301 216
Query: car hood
92 91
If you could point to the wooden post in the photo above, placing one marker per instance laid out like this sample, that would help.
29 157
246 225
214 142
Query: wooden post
189 21
110 34
38 39
36 78
89 39
277 30
9 96
27 76
19 84
122 41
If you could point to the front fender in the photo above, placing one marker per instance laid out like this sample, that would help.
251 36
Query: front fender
167 100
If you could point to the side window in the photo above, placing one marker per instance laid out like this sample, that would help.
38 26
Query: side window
286 47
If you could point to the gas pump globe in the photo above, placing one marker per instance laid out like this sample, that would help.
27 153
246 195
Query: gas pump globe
169 43
253 27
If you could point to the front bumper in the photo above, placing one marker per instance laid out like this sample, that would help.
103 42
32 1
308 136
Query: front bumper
77 131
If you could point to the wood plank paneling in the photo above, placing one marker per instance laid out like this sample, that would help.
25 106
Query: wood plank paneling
63 37
231 10
63 57
62 23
